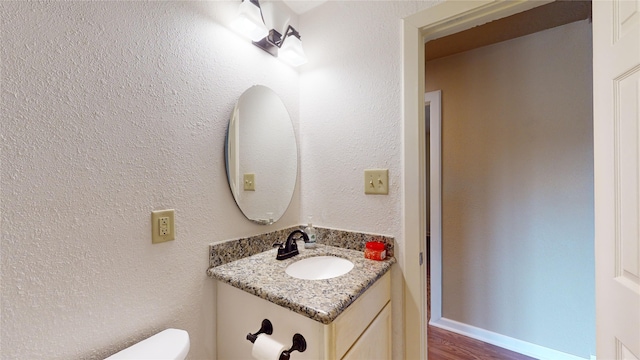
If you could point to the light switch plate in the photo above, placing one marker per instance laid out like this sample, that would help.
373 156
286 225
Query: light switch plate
376 181
163 226
249 182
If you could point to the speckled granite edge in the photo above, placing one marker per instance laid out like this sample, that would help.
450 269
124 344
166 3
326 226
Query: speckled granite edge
232 250
322 302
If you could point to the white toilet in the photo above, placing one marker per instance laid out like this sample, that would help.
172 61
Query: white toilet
170 344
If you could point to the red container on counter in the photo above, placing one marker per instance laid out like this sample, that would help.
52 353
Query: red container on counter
375 250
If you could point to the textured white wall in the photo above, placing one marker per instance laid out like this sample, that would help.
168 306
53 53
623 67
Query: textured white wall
99 98
111 110
351 106
517 195
350 101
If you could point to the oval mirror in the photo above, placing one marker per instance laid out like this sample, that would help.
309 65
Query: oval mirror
261 155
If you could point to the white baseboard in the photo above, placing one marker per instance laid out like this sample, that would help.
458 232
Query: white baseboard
503 341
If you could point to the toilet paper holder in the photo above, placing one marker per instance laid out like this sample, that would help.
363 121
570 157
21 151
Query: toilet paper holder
265 328
299 344
298 341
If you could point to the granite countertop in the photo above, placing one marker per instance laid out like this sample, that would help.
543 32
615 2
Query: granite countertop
321 300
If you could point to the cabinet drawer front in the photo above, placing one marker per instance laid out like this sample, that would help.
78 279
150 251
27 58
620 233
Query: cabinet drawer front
346 329
375 343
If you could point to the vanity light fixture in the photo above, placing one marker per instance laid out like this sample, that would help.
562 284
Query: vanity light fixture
287 47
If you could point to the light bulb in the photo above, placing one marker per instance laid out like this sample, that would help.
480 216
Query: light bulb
248 21
291 51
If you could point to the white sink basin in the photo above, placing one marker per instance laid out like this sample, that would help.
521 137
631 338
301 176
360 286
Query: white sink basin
319 268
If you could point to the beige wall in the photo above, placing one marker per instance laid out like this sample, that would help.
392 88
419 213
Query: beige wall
518 188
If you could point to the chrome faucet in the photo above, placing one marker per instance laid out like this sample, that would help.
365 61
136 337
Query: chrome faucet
290 248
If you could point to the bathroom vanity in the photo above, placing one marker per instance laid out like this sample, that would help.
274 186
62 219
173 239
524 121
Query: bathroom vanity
345 317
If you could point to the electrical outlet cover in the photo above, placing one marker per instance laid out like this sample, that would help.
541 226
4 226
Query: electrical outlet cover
163 226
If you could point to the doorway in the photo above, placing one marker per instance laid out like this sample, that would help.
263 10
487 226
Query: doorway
433 220
442 343
445 19
518 191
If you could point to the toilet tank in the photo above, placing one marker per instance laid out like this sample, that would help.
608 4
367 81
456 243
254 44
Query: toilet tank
170 344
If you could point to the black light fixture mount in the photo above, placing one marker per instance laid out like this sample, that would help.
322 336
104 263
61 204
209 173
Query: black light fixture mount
273 41
250 22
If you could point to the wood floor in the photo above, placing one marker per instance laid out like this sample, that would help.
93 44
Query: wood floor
446 345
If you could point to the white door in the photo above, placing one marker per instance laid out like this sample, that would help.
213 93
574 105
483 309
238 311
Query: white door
616 95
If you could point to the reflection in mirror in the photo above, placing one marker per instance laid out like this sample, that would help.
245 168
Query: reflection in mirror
261 155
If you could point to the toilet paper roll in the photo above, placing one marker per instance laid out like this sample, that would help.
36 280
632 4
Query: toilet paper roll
266 348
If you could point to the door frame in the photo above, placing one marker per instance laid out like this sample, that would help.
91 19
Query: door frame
434 100
443 19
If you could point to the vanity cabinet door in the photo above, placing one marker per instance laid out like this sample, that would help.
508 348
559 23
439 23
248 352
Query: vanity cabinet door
346 329
375 342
